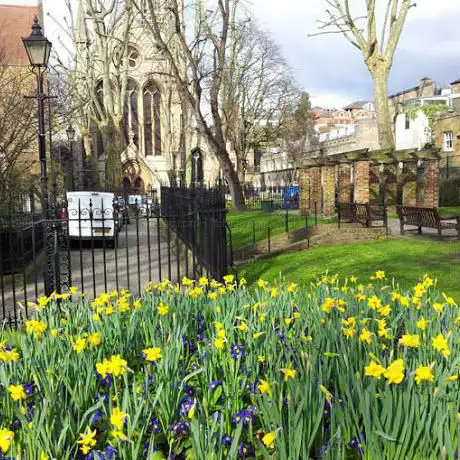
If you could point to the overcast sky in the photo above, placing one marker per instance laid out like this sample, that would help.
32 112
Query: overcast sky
329 67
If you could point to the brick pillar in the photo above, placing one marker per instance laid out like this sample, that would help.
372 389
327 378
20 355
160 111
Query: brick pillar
362 181
431 195
374 184
391 184
304 191
345 183
410 184
328 181
316 189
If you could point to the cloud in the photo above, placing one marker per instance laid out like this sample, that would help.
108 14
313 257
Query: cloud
330 67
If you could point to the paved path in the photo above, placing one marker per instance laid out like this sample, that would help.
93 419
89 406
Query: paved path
139 257
427 233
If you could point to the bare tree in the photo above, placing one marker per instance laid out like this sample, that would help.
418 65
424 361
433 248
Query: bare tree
198 61
377 47
256 88
97 75
297 133
17 132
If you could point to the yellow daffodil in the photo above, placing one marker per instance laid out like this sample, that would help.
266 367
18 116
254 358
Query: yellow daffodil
116 366
79 345
87 440
394 373
219 343
365 336
374 370
269 439
438 307
440 344
117 418
422 323
423 373
264 387
256 335
410 341
37 328
203 281
289 373
292 287
384 311
162 309
186 281
450 301
374 303
261 359
261 283
228 279
95 339
349 332
152 354
8 355
243 327
137 304
327 393
452 378
379 275
404 302
6 439
17 392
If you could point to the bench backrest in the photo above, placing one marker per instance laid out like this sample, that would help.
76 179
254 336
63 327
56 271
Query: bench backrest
346 210
423 217
362 210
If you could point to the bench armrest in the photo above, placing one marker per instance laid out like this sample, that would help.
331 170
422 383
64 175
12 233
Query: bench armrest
450 218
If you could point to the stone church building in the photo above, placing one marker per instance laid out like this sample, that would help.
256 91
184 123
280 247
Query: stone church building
161 143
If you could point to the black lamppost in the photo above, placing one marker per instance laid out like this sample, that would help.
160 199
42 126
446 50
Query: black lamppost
71 137
38 49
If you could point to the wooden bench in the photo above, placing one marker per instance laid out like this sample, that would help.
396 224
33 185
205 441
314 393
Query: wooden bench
426 217
362 213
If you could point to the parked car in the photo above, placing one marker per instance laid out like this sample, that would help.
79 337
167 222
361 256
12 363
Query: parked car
105 222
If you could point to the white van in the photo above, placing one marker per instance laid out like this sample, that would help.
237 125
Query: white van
104 224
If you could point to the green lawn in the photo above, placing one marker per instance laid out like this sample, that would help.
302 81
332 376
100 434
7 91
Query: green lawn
451 211
404 260
241 225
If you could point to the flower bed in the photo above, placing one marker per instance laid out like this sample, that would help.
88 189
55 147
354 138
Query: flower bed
208 371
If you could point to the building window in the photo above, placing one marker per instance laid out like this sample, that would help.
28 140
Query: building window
448 141
131 115
133 57
407 122
152 119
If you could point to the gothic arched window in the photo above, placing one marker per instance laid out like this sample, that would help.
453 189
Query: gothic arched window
131 115
152 119
133 57
98 144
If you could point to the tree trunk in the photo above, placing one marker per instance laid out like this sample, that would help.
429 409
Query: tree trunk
240 168
236 190
112 138
379 72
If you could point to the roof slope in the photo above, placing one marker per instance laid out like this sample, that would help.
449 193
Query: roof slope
15 22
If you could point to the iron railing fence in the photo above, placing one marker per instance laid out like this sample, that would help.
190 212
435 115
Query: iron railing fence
96 250
198 217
